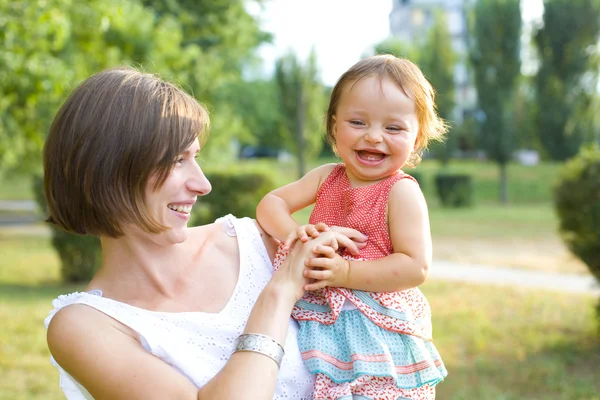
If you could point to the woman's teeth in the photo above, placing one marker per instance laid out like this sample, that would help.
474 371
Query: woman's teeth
181 209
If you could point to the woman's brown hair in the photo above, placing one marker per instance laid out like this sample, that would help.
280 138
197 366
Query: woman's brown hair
413 83
118 129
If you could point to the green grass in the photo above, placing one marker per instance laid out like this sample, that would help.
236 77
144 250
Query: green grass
28 283
507 344
498 343
525 221
15 187
526 184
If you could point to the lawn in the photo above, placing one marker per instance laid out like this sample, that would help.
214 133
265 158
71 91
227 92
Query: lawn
498 343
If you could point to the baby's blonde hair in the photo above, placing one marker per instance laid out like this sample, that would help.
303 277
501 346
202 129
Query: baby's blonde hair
412 82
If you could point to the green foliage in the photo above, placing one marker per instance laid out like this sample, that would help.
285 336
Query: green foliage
398 48
436 58
236 193
302 106
567 79
80 256
495 56
46 48
257 102
577 202
454 190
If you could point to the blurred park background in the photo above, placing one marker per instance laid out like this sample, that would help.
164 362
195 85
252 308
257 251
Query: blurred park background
516 185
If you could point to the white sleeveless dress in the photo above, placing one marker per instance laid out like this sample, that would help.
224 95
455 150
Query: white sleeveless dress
199 344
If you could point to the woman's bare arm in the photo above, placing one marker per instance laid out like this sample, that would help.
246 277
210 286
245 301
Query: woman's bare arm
107 359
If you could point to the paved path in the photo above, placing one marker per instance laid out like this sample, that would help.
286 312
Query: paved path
18 205
583 284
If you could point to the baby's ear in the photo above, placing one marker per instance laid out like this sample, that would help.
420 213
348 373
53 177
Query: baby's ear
334 125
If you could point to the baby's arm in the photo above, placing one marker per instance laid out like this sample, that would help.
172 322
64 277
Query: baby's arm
406 268
274 212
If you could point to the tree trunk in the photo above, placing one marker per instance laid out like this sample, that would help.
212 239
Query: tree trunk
300 132
503 183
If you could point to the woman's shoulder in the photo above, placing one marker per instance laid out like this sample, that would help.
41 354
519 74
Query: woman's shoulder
70 309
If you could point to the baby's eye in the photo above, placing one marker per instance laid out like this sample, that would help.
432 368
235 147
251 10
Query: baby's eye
395 129
356 122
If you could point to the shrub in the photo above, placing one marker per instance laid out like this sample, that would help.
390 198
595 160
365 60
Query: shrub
454 190
419 177
80 256
236 193
577 202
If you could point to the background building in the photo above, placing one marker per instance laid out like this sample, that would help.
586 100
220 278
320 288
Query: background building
410 21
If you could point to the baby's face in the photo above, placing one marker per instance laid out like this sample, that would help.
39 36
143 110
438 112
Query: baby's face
375 129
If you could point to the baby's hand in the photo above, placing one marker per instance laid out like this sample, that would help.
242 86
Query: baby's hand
328 268
304 233
359 239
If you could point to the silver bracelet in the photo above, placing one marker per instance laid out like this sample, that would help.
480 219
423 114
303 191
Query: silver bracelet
260 344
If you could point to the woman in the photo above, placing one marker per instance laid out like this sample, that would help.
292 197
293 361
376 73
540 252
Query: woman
169 304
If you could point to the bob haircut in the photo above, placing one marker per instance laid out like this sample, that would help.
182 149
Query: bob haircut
411 81
118 131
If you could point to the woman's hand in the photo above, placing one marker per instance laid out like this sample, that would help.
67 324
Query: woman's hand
304 233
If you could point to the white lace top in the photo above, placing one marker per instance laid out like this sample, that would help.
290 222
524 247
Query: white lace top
199 344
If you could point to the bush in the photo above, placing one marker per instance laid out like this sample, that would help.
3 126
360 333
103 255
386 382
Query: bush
577 202
454 190
236 193
419 177
80 256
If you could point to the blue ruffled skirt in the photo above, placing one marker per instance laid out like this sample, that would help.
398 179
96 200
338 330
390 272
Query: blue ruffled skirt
354 346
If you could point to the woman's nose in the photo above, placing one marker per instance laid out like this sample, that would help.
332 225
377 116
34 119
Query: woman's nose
199 183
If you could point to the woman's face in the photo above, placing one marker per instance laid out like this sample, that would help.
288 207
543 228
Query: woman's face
171 204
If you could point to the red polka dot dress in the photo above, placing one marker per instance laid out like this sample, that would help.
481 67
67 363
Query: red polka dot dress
370 345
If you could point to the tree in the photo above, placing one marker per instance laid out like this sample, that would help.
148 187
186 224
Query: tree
567 79
496 33
257 104
48 47
302 106
436 58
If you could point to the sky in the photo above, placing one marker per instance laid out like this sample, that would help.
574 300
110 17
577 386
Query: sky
342 31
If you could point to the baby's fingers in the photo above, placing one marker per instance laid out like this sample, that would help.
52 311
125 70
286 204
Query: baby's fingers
290 240
324 251
315 285
317 274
